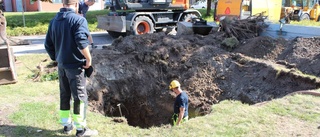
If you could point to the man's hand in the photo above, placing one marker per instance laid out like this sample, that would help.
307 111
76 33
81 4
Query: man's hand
87 55
53 64
88 64
181 114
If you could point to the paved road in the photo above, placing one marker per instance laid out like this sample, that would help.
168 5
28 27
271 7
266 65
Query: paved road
291 31
36 43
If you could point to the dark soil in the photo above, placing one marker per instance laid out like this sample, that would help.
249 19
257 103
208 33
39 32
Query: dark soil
134 73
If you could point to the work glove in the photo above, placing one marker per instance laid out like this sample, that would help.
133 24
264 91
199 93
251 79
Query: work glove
53 64
88 71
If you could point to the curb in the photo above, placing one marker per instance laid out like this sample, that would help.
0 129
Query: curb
27 40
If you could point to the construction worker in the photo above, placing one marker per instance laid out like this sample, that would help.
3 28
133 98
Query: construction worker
82 11
67 43
180 107
84 7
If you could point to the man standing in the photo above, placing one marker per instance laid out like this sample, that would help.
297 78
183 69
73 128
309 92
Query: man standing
67 43
180 107
83 9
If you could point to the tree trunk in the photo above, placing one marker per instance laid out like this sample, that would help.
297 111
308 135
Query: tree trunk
208 7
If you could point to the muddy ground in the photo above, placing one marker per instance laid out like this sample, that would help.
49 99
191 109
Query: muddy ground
134 73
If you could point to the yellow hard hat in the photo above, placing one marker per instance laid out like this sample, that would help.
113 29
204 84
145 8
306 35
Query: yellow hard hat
174 84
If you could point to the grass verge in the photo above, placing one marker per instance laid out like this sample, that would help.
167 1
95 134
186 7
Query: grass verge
30 108
36 23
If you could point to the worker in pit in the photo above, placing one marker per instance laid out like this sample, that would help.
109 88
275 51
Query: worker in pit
180 107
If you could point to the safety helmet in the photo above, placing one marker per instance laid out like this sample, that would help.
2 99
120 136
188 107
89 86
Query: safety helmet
174 84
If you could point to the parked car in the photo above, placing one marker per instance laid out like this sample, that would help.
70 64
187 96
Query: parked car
107 4
199 5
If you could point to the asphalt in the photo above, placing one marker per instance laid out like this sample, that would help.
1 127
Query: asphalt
290 31
34 44
38 39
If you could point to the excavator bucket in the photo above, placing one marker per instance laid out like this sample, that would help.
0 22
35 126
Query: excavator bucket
200 26
7 66
7 63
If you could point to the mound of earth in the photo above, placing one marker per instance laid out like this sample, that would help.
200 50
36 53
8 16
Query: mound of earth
132 75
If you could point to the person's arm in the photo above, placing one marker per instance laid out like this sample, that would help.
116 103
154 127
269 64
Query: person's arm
90 39
87 55
81 37
49 46
181 114
80 6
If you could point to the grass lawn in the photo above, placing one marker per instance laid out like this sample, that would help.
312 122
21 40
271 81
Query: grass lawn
30 108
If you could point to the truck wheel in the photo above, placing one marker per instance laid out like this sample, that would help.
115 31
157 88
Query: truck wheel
116 34
304 17
142 25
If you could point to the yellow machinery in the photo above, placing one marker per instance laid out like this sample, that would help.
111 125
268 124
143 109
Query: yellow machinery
230 8
242 9
300 10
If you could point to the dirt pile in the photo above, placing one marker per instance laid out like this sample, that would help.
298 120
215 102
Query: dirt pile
133 74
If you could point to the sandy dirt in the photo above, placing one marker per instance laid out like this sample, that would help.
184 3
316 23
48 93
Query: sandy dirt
133 73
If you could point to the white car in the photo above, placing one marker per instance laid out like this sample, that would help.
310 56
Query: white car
199 5
107 4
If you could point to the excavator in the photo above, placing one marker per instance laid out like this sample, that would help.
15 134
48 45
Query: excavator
136 17
298 10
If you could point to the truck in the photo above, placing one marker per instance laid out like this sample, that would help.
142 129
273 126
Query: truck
241 9
137 17
298 10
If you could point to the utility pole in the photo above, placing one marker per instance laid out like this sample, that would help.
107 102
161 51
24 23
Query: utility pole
23 7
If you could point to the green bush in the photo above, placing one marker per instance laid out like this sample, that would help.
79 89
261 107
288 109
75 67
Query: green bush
36 23
50 76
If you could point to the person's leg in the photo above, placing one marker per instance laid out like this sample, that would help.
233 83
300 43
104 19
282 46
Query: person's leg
65 97
77 82
185 119
77 85
174 119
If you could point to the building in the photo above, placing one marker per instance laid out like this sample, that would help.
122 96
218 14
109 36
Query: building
30 5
